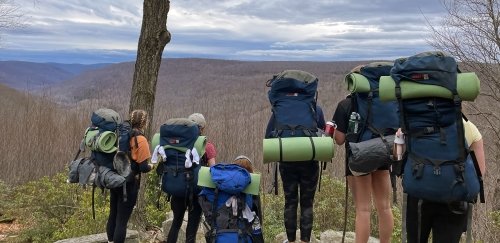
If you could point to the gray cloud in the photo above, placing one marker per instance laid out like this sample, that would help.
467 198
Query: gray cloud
235 29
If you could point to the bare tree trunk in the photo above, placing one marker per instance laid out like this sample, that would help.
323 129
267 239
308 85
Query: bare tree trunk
153 39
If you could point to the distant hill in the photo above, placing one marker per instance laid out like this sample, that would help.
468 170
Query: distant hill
31 76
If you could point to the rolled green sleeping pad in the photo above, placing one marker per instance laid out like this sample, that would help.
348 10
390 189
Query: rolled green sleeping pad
298 149
357 83
104 142
200 144
155 141
467 88
205 180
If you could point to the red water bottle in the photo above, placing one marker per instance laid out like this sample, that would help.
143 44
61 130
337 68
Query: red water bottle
330 128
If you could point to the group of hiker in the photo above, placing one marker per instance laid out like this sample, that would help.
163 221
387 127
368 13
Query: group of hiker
401 118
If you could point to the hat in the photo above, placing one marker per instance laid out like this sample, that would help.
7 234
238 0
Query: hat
198 118
243 157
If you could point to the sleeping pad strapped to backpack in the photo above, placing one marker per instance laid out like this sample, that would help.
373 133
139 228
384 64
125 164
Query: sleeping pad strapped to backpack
438 166
371 139
230 213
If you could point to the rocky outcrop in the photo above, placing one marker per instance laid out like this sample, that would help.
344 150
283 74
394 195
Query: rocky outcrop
328 236
132 237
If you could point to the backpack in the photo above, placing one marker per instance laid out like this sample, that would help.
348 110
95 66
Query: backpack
227 208
437 164
293 99
101 138
179 173
372 123
97 170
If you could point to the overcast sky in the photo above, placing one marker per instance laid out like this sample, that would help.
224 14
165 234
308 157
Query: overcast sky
84 31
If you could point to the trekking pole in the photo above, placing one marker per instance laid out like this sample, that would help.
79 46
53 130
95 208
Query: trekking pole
469 224
345 210
403 215
275 183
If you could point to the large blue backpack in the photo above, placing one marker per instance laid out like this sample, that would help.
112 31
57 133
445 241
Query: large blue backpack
437 164
293 99
377 120
230 180
176 137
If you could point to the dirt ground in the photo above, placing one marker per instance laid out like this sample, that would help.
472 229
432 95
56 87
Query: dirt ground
8 229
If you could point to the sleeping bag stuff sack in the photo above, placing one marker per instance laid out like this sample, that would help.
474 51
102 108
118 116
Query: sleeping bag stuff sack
231 212
437 164
179 173
372 122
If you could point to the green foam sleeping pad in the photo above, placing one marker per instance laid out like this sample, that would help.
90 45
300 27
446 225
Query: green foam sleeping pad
104 142
298 149
357 83
205 180
467 88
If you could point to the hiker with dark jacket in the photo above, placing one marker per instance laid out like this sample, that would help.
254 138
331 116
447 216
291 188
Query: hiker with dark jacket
179 205
120 209
297 176
447 221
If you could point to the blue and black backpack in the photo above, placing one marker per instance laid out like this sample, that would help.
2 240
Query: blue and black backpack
293 99
377 121
226 207
178 137
437 164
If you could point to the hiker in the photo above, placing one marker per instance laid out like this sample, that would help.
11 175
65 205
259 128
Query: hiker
185 155
376 120
210 152
245 225
295 113
297 176
447 221
120 209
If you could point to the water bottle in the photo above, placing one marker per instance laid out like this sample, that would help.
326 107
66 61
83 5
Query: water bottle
399 140
354 122
330 128
256 228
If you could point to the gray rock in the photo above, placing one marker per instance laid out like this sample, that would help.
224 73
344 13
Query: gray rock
132 237
336 236
167 224
281 237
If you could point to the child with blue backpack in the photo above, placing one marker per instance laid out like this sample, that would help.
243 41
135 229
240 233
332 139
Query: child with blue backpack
233 216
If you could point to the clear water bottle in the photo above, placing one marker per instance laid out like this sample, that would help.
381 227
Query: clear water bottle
354 122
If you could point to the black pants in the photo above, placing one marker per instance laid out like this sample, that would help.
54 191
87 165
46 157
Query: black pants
295 175
447 226
179 206
120 211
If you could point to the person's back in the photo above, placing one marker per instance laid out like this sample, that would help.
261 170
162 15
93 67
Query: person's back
293 96
372 124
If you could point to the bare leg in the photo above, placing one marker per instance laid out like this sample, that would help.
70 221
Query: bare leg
381 187
361 191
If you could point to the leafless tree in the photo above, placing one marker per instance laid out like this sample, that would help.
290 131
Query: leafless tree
11 15
153 39
470 32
